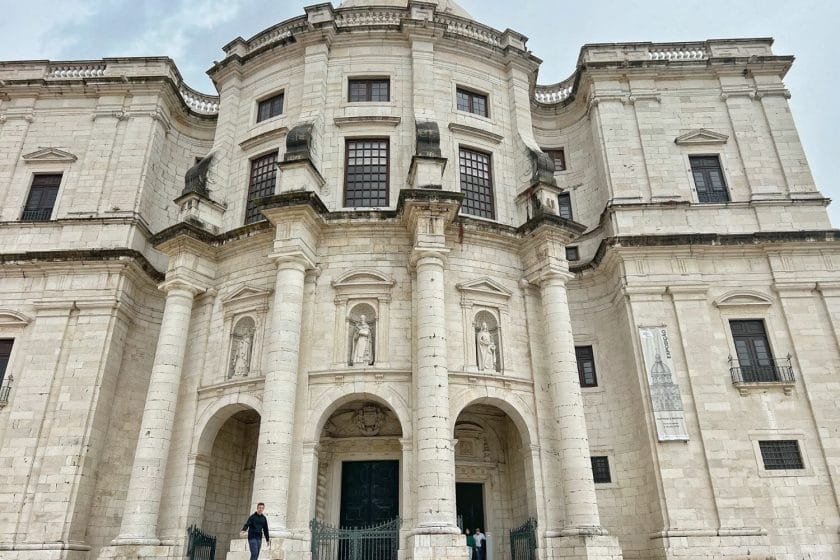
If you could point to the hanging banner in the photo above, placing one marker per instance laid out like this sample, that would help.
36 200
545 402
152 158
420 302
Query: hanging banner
664 392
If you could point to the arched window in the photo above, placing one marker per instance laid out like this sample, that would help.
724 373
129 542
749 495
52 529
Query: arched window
361 333
488 347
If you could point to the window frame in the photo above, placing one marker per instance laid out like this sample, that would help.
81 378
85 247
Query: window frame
4 368
491 181
572 253
551 152
606 459
720 167
267 99
387 193
471 94
368 81
765 337
249 199
581 373
32 185
758 436
566 195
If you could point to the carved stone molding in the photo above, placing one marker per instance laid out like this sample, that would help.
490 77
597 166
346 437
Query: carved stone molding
49 155
701 136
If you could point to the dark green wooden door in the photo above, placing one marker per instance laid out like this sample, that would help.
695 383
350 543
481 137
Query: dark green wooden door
369 492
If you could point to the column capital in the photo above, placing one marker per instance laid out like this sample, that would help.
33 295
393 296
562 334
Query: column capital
549 273
293 259
428 253
181 284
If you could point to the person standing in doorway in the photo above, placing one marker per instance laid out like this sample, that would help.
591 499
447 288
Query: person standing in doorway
470 543
256 527
480 545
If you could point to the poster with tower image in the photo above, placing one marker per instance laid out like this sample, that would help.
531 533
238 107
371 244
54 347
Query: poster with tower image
665 397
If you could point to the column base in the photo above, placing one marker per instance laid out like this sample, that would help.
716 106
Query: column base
586 545
280 549
437 546
140 552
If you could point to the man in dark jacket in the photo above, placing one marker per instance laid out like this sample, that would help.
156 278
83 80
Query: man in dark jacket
257 526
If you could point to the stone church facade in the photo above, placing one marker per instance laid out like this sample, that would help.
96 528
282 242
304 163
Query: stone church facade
384 274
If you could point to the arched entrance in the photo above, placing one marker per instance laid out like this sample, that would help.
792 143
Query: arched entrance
230 477
359 466
494 476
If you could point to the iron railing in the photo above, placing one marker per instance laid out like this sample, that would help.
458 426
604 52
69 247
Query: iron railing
5 389
523 541
375 542
37 215
778 370
200 545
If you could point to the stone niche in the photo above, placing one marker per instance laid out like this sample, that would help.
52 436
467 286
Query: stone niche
245 312
362 319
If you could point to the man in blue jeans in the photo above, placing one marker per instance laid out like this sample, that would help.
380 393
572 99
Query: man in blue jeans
257 526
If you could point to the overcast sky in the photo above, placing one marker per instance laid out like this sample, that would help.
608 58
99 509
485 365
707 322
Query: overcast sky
193 31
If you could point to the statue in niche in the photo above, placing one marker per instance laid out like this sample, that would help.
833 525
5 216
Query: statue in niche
242 345
362 343
486 346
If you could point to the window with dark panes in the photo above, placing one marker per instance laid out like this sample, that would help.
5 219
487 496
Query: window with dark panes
261 184
476 183
41 199
708 179
270 107
5 354
564 205
781 455
753 350
586 366
373 89
366 173
558 155
601 469
572 254
471 102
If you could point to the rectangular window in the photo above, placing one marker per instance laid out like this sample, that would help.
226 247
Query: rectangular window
781 455
270 107
572 254
601 469
42 195
471 102
374 89
564 205
559 157
708 179
366 173
5 354
755 358
586 366
263 179
476 183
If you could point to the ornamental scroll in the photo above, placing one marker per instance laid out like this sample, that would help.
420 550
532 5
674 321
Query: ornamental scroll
665 396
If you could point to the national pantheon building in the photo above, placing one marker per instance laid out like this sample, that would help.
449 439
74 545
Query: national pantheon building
391 286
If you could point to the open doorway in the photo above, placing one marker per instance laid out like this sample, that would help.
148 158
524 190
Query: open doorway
469 504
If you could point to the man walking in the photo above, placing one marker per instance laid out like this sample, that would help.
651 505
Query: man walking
257 526
480 545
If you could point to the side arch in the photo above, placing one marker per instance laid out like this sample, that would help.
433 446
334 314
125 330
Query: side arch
214 416
513 405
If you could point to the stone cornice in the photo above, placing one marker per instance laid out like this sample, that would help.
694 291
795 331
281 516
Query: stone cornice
82 255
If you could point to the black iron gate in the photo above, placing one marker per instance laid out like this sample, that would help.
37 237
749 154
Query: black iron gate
523 541
200 545
376 542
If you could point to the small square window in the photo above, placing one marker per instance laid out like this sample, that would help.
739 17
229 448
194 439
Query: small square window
708 179
270 107
572 254
558 155
41 199
601 469
471 102
586 366
369 90
564 205
781 455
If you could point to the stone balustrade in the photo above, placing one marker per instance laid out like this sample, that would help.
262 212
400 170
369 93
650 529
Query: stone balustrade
676 53
555 93
76 71
199 102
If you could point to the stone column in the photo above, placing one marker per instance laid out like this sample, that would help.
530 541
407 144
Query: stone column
576 469
274 455
435 460
140 518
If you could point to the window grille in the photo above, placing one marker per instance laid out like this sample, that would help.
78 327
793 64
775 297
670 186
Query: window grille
366 174
477 184
781 455
601 469
262 183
